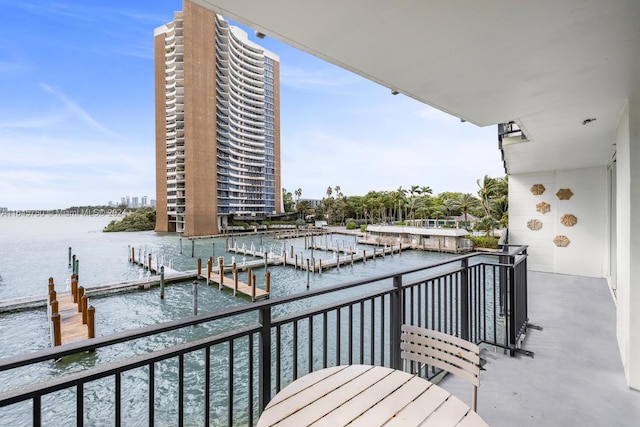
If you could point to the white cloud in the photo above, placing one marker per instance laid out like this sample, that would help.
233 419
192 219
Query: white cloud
424 155
11 68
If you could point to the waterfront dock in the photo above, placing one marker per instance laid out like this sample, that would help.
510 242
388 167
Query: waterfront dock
248 289
71 327
352 256
70 317
238 287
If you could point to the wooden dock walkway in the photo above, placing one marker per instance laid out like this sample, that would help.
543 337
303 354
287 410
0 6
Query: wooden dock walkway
351 257
344 250
71 327
252 292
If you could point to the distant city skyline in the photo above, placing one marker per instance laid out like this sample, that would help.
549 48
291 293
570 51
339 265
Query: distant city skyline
133 202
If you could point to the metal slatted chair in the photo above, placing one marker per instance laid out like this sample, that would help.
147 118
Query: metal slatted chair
444 351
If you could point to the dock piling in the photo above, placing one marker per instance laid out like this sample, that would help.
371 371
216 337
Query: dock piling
85 304
194 290
54 306
80 295
91 322
252 283
57 336
193 247
69 256
235 279
308 272
74 288
268 283
199 268
162 282
221 271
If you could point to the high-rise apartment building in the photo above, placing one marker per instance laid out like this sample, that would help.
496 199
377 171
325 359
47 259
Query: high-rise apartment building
217 125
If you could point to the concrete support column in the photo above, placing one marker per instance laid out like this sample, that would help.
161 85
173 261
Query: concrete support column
628 240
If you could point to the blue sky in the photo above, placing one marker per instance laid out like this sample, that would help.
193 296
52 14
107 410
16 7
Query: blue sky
77 115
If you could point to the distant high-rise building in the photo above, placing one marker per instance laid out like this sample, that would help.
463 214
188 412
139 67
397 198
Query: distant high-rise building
123 201
145 201
217 125
135 203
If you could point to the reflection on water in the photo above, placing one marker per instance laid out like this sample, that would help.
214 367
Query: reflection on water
36 248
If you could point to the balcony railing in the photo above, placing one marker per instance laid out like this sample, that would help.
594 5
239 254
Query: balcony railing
246 354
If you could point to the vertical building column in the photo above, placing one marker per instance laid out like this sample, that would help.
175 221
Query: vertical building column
201 192
628 240
162 219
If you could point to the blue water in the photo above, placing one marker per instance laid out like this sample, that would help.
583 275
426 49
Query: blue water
32 249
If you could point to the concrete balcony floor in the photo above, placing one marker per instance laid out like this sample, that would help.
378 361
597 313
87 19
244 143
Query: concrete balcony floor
576 376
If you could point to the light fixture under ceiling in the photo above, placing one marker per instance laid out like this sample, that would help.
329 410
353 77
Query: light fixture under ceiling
260 35
587 121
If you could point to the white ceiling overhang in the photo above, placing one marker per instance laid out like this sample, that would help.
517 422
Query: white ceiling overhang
547 66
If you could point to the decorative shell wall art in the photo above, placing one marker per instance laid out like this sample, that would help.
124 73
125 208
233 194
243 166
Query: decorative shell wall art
537 189
568 220
564 194
561 241
543 207
534 224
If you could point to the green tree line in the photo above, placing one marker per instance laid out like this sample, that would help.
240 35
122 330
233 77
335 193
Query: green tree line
142 219
490 205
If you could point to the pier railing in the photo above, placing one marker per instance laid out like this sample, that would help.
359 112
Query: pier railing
227 375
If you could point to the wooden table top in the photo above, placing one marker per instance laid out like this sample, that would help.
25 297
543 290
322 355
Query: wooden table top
363 395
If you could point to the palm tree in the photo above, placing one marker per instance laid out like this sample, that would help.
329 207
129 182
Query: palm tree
465 203
487 190
399 197
426 190
500 210
449 205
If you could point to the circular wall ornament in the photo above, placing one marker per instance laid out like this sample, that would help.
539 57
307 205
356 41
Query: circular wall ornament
534 224
564 194
537 189
568 220
561 241
543 207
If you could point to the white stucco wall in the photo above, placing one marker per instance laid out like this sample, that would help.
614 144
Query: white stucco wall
585 254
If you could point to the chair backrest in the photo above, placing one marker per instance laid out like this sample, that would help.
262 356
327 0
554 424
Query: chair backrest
444 351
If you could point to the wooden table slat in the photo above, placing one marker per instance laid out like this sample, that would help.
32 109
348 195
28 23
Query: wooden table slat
350 410
310 391
450 413
472 419
302 383
424 405
394 401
